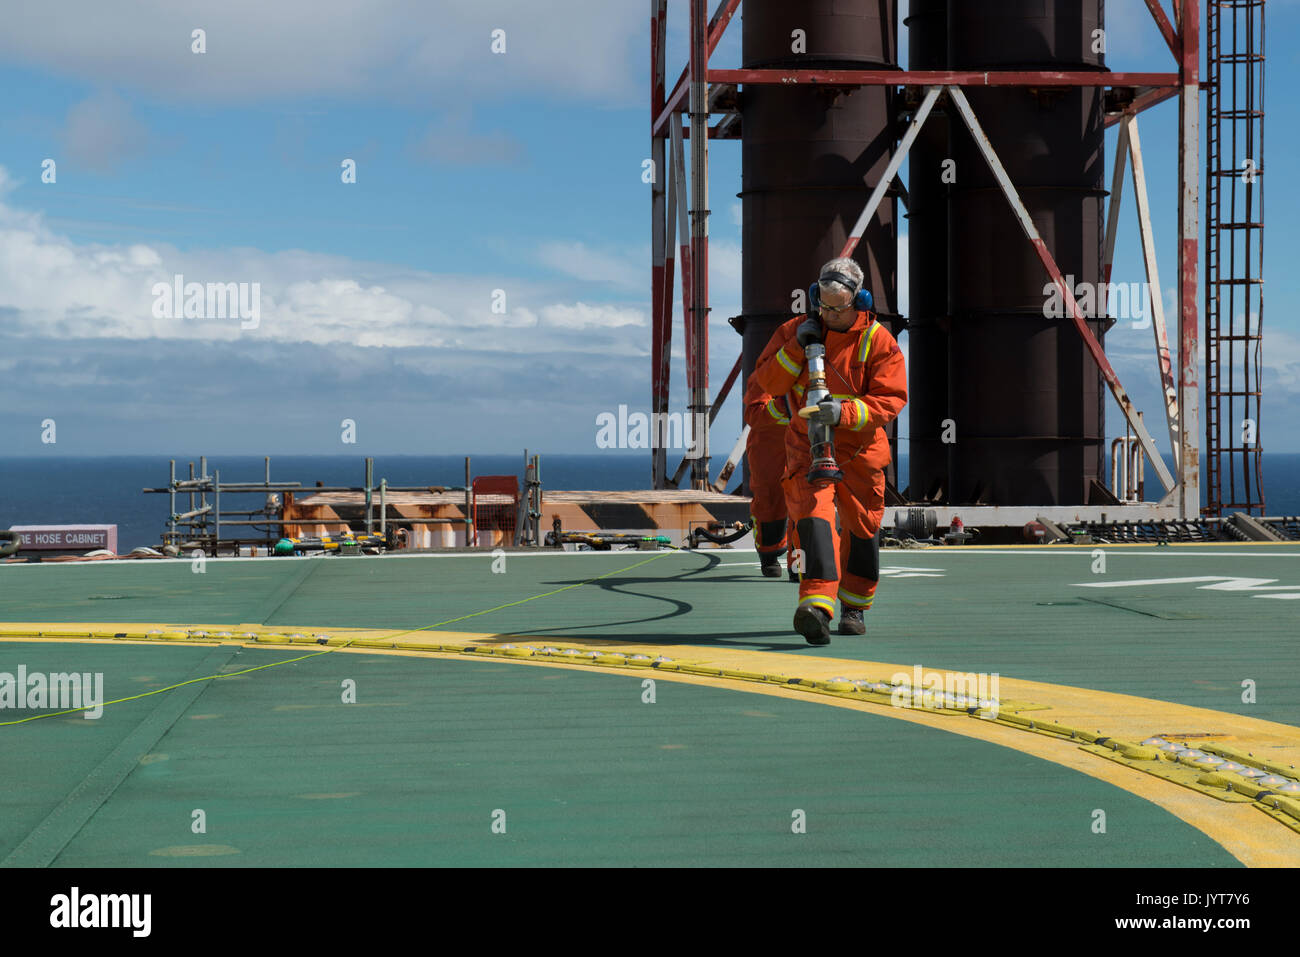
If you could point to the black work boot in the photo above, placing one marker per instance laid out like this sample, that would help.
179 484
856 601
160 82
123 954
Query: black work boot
794 575
851 621
770 564
814 624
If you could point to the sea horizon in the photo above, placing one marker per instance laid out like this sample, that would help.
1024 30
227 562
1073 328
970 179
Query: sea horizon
107 489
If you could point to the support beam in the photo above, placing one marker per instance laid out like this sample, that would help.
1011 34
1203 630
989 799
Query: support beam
737 452
727 128
684 246
662 347
671 231
713 414
911 78
721 17
895 162
715 132
1147 235
721 397
1166 28
1145 101
699 212
1189 179
1125 146
903 195
1067 294
1112 216
660 241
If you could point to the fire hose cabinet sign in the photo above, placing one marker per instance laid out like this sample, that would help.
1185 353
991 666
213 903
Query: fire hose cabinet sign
66 538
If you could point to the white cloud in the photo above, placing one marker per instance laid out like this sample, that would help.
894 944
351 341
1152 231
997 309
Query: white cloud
1281 360
582 316
77 334
724 269
54 288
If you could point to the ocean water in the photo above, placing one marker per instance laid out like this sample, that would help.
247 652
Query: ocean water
107 490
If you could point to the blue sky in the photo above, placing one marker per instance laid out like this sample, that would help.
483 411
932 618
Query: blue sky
476 171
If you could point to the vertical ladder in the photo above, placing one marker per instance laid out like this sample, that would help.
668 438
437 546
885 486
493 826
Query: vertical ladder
1234 255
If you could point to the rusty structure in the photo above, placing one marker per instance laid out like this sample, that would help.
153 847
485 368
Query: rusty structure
1234 255
1018 96
211 515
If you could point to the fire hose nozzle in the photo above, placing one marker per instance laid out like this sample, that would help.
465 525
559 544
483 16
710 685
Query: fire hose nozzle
824 470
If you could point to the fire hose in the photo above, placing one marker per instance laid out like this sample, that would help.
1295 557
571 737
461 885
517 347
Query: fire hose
739 531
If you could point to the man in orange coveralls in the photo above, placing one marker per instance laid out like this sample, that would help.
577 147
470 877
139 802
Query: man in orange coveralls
867 379
768 418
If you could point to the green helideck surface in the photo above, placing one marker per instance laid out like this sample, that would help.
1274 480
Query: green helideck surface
585 772
1019 612
287 774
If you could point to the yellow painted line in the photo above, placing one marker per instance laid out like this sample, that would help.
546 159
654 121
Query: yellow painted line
1239 828
1116 715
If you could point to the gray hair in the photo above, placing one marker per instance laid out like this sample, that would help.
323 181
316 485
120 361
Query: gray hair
845 267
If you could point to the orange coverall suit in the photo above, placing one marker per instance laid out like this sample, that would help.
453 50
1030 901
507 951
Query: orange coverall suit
866 372
768 419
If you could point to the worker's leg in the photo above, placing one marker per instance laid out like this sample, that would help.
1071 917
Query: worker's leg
861 499
766 452
812 513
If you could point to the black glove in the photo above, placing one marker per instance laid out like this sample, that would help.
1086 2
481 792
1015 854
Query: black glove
809 331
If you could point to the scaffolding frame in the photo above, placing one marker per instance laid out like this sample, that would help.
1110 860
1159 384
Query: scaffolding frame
200 527
713 91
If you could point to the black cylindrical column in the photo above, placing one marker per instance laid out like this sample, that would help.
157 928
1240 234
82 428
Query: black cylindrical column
927 241
1023 392
811 156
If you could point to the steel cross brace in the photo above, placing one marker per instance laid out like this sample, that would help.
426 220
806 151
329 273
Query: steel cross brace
959 100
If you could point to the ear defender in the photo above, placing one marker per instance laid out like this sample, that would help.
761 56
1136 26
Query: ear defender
861 302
